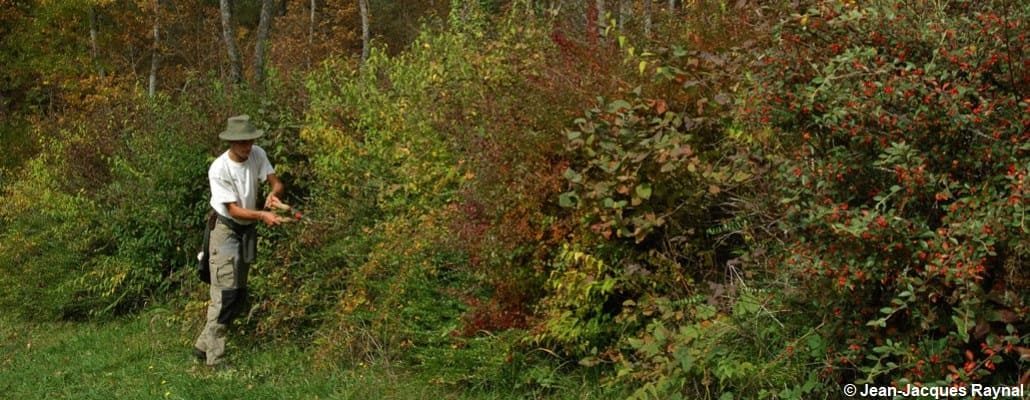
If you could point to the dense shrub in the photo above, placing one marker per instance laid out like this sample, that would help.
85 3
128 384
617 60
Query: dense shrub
652 281
119 200
380 175
722 344
641 169
904 125
435 177
688 221
45 238
449 147
150 209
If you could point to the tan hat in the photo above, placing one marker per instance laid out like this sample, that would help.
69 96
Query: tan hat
240 128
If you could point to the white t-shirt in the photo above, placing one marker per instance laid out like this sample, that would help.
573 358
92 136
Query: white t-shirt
238 182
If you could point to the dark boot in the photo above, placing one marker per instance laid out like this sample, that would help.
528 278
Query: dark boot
199 354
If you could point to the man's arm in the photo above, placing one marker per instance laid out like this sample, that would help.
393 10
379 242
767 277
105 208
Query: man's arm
277 190
238 212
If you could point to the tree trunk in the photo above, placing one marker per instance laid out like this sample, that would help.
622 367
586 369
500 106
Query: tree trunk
94 49
155 55
228 35
363 5
264 26
591 18
672 6
622 14
311 30
313 21
602 20
647 18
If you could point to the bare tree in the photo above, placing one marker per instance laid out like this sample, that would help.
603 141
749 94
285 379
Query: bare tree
94 23
155 55
311 29
363 5
591 17
647 18
264 26
313 21
235 64
622 14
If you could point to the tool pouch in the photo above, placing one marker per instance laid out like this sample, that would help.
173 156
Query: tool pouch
204 258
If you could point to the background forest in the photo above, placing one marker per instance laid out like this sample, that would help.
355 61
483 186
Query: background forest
603 198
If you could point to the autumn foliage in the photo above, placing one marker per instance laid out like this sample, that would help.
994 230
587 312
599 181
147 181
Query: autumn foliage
904 183
722 198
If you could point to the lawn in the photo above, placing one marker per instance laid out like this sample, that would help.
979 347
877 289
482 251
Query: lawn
148 357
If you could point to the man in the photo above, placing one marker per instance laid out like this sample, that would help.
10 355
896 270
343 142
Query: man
234 177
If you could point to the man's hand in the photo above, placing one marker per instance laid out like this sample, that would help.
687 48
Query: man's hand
269 218
273 202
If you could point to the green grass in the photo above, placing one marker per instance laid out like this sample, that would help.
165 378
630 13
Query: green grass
148 357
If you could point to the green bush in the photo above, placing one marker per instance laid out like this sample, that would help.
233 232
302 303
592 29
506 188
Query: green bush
108 212
381 171
45 238
151 210
712 347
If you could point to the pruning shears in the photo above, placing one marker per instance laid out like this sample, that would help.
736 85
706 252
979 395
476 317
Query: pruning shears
293 214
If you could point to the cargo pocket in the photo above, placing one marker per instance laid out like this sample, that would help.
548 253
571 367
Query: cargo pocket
224 248
225 271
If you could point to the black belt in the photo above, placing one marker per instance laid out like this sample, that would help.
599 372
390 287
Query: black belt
236 227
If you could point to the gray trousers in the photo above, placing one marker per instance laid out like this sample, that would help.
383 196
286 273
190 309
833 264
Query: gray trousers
228 291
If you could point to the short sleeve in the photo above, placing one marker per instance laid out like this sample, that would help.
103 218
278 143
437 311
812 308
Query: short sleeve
222 191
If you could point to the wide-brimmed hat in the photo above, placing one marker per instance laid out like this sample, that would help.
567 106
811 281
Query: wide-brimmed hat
240 128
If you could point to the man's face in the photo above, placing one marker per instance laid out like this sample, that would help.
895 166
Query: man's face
241 148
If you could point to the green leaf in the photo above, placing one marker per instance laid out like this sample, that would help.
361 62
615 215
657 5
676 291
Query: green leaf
961 327
741 176
816 345
644 191
685 359
573 176
618 105
568 199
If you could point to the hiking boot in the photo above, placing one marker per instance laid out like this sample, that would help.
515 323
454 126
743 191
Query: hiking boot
199 354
